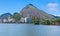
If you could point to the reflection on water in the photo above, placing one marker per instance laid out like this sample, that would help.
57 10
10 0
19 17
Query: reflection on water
28 30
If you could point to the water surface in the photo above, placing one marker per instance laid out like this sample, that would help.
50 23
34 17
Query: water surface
28 30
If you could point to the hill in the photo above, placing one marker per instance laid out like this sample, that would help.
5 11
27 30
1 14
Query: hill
31 10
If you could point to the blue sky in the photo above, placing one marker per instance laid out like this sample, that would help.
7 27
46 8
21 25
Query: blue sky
11 6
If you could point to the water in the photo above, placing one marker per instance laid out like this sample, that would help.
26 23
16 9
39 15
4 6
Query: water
15 30
44 30
28 30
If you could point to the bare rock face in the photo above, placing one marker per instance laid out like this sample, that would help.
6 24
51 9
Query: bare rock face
34 11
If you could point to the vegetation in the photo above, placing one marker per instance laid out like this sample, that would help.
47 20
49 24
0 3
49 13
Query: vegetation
52 22
58 20
35 20
47 22
16 16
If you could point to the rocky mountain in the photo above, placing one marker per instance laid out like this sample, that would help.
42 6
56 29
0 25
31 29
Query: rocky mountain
31 10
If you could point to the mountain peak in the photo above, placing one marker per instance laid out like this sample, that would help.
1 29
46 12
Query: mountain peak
34 11
30 4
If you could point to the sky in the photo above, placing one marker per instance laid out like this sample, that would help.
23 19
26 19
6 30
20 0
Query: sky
11 6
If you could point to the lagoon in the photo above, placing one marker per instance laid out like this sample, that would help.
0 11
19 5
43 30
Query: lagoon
29 30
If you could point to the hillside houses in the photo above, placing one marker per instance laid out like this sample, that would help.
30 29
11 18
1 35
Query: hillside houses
11 20
7 18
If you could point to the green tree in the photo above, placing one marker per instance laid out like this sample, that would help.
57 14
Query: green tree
47 22
16 16
35 20
54 22
58 21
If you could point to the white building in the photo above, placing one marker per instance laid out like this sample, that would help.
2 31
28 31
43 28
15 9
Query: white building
22 19
11 19
5 20
25 19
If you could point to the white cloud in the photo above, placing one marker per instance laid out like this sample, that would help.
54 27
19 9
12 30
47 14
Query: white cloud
52 7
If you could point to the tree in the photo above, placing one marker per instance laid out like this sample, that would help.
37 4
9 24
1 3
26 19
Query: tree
58 21
54 22
16 16
35 20
47 22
